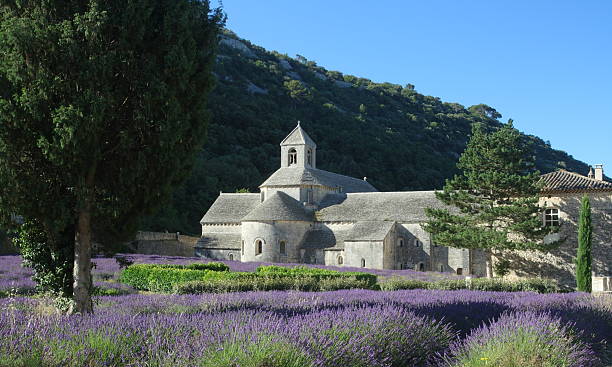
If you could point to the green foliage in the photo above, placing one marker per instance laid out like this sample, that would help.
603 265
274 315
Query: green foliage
242 146
182 279
538 285
102 109
583 258
214 266
496 194
265 352
51 261
502 267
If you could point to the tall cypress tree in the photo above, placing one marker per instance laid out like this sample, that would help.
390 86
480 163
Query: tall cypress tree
495 196
102 109
583 258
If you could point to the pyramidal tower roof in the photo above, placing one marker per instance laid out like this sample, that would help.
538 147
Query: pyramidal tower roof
298 137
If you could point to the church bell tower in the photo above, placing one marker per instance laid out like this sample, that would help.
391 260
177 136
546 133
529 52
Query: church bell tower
298 150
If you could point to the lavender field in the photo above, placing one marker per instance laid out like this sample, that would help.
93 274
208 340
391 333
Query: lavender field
304 329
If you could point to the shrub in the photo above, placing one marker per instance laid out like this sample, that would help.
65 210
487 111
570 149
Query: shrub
263 353
523 339
480 284
213 266
168 278
397 283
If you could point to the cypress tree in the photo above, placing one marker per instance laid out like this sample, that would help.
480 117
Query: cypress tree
583 258
103 106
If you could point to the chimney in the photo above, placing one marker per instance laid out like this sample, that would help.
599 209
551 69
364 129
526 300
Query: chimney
599 172
591 174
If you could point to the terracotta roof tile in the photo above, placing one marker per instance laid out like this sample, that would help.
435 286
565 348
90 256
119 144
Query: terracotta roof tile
565 181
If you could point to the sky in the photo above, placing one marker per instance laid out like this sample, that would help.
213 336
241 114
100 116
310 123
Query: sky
545 64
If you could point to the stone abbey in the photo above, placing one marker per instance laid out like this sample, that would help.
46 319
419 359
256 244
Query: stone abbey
303 214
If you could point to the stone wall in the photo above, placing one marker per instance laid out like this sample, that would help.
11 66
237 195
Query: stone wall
559 263
165 244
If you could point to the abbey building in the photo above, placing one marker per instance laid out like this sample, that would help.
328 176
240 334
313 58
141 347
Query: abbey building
303 214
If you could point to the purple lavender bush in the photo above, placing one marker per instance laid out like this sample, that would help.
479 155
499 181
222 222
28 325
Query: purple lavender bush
525 339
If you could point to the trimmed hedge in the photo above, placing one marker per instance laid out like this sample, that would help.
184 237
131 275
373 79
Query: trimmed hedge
302 283
481 284
166 278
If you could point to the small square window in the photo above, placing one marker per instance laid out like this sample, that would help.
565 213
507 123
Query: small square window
551 217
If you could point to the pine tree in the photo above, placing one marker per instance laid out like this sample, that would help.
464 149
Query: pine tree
495 197
102 109
583 258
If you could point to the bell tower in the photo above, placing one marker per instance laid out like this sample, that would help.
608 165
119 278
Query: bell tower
298 150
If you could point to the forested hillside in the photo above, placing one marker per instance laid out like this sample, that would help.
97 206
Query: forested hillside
397 138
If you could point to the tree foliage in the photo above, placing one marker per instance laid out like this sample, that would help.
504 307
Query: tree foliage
496 196
103 105
583 258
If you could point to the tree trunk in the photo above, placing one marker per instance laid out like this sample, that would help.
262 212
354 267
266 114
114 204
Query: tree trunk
490 264
82 253
82 264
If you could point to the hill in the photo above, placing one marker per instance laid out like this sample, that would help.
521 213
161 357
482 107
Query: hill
398 138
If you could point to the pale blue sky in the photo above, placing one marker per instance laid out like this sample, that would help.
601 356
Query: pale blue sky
545 64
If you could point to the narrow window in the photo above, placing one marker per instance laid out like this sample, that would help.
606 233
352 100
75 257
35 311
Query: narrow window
258 247
231 257
242 247
363 263
401 242
459 271
309 157
421 267
309 196
283 248
417 243
340 260
551 217
292 156
441 268
263 196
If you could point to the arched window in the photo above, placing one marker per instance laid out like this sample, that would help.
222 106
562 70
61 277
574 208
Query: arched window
421 267
363 263
340 260
441 268
231 257
292 156
400 242
283 248
417 243
258 247
309 157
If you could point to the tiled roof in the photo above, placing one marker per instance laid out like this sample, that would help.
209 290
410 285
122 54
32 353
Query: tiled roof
220 241
231 208
324 238
289 176
406 207
279 206
565 181
370 231
298 137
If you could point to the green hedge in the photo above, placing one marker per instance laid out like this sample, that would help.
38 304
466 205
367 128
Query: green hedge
264 283
480 284
165 278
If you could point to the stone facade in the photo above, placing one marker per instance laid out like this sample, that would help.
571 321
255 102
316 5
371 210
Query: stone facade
306 215
559 263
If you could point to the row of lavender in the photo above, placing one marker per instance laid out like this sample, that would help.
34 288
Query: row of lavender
106 272
342 328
